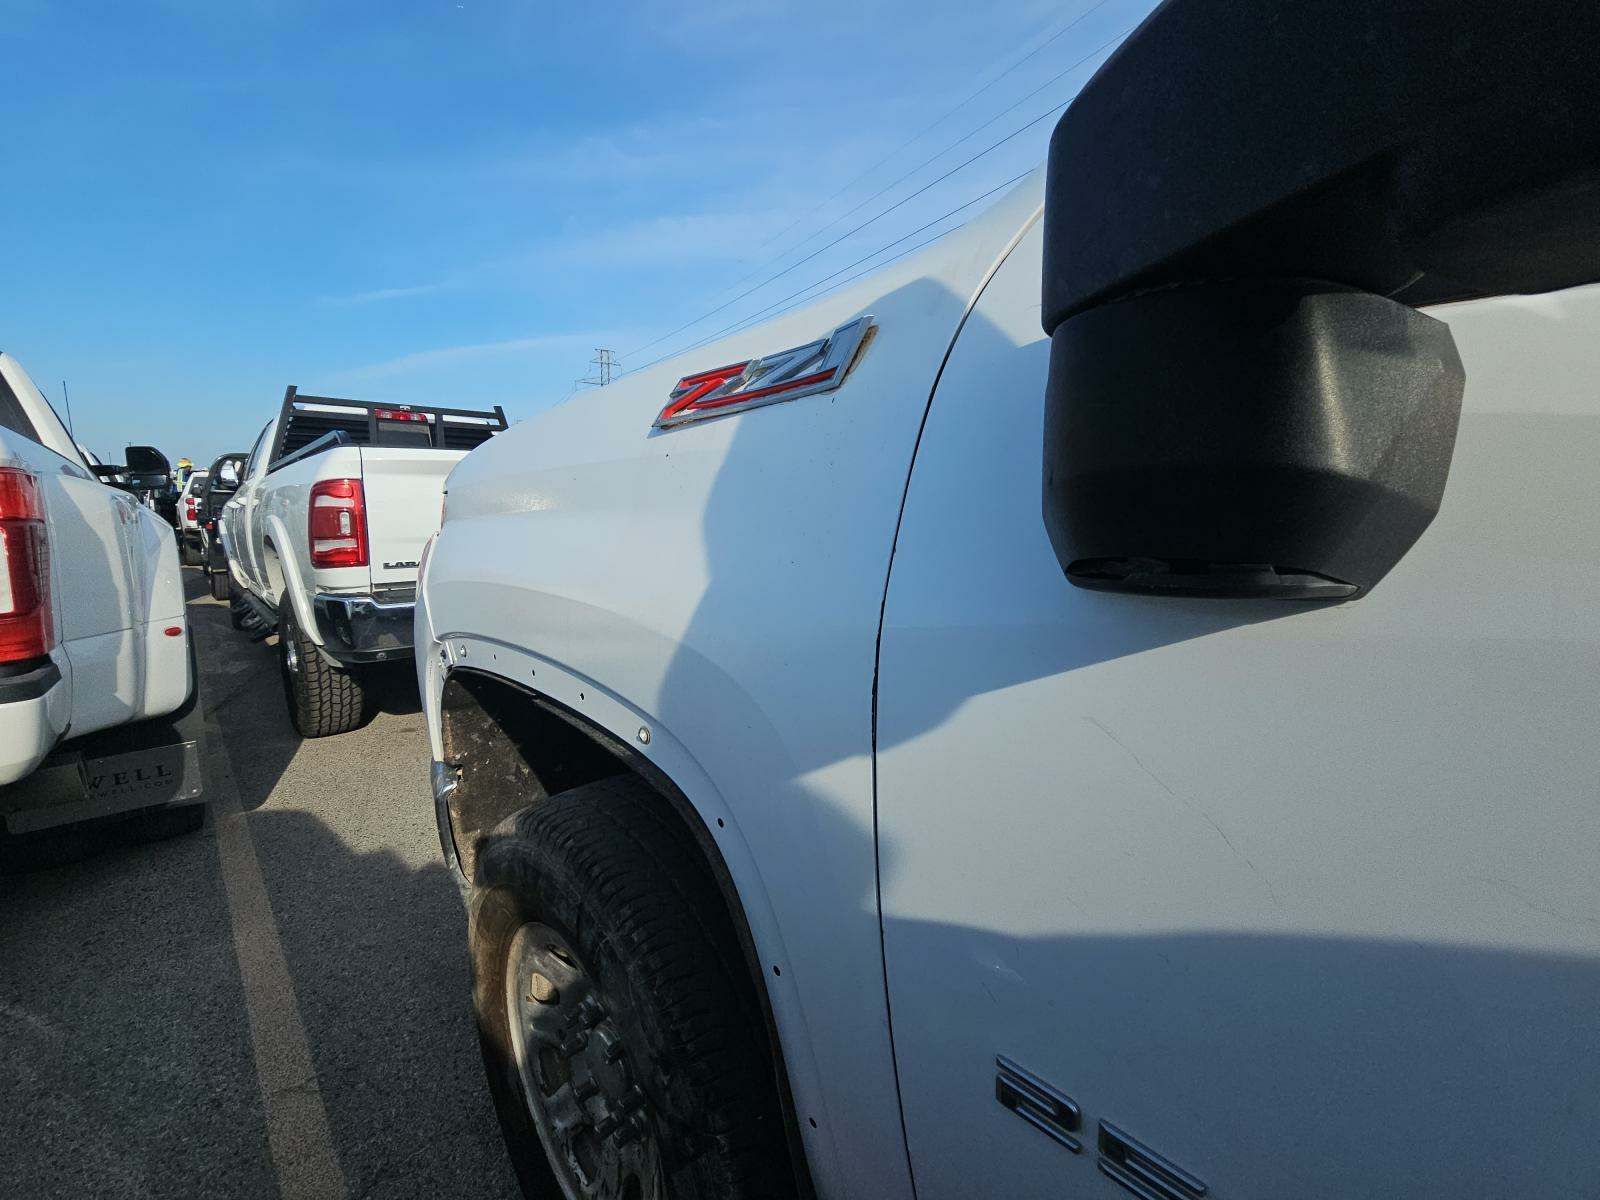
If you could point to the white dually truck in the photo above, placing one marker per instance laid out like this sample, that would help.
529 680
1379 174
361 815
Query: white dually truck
323 534
98 704
1107 705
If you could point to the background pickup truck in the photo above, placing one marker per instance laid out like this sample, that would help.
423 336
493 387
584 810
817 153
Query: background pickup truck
97 691
323 535
222 480
191 526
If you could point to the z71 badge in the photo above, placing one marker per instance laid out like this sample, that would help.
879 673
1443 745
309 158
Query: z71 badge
808 370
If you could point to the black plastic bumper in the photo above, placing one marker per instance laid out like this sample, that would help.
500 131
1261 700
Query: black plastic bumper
28 681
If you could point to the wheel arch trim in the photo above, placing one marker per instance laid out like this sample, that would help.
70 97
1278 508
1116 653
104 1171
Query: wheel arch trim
275 536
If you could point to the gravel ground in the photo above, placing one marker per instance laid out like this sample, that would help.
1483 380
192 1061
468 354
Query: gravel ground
277 1005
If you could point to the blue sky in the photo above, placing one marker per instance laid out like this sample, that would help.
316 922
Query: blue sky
459 200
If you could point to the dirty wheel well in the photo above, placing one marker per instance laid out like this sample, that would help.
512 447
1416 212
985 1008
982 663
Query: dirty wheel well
512 749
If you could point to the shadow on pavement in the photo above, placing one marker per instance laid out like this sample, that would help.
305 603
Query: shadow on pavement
132 1064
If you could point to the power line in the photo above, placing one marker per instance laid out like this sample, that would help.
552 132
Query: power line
897 204
745 320
1051 40
889 246
1060 75
822 250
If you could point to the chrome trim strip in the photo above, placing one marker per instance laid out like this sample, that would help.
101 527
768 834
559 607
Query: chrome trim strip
363 629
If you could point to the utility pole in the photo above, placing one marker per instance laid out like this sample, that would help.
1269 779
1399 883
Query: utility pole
605 367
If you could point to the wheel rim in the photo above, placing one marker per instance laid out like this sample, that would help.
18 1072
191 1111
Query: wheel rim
291 654
578 1080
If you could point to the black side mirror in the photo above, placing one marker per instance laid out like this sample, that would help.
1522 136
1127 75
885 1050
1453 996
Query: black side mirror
1251 439
147 467
1245 208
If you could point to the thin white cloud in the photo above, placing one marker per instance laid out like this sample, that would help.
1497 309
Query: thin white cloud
732 12
380 294
423 360
672 147
662 241
745 22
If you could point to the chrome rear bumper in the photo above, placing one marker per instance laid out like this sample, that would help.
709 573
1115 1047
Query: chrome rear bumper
364 629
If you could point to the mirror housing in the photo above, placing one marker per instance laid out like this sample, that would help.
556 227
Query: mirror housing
1243 209
1264 439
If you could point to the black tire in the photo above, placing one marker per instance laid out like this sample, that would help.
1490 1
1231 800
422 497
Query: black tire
323 699
611 871
219 586
189 554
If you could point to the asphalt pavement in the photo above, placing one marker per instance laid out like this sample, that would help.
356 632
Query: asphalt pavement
274 1006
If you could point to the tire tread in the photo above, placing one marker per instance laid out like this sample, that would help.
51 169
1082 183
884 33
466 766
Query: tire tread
323 700
637 873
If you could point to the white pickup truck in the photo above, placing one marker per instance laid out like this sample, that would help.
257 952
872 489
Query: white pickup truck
98 712
1053 732
322 537
191 527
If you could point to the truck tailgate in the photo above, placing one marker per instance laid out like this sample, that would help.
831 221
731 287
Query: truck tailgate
404 489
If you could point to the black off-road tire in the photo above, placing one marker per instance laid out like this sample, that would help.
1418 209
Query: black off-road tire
323 699
609 867
219 582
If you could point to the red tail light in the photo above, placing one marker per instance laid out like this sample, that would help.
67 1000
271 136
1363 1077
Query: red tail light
193 514
338 524
399 414
27 623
